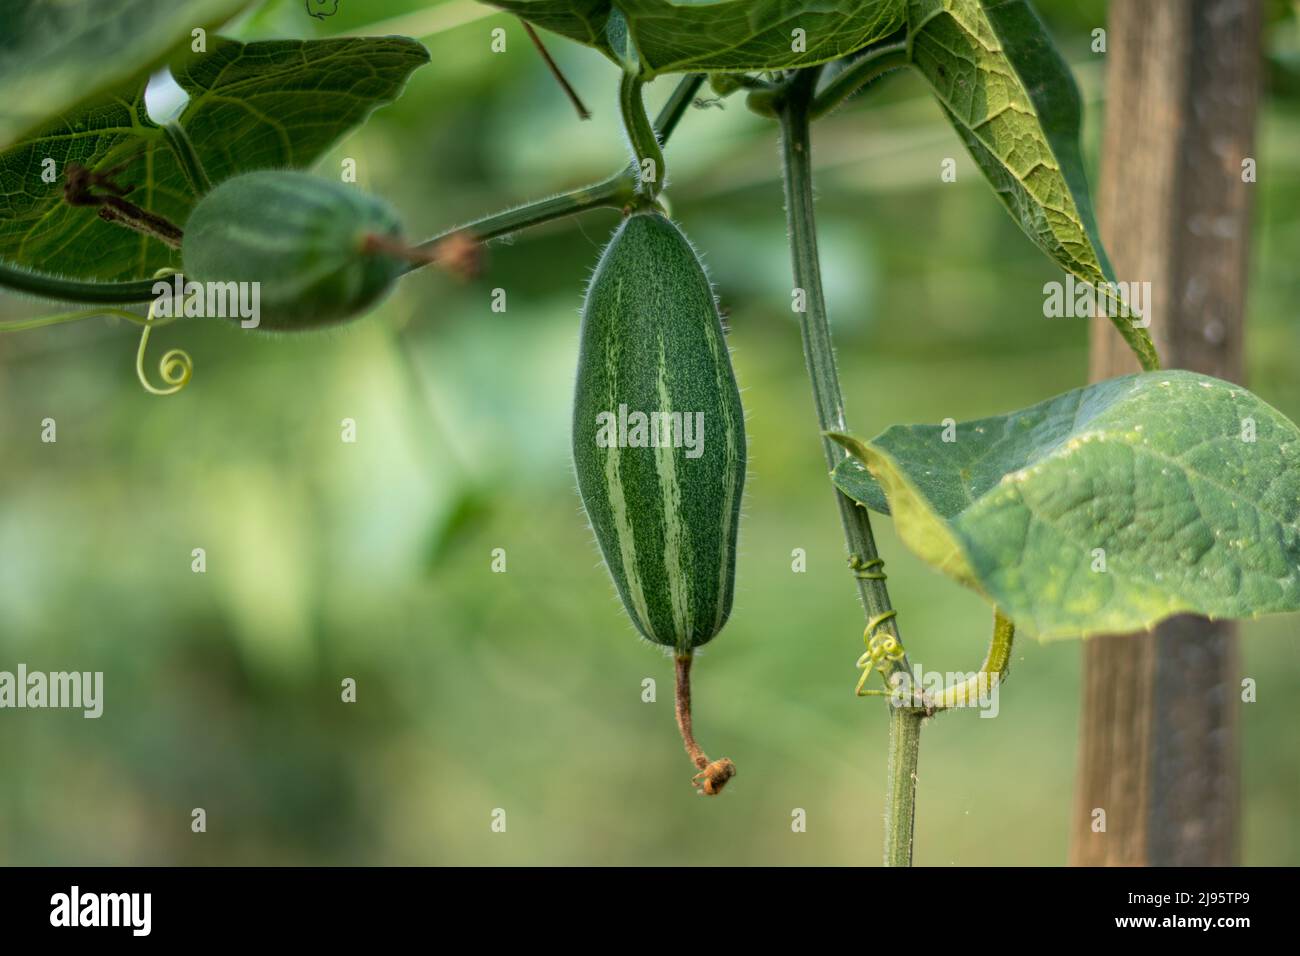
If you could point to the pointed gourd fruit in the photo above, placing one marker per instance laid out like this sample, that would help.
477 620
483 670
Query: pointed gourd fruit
319 251
659 444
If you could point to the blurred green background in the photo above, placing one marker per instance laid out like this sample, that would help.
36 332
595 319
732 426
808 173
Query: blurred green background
523 690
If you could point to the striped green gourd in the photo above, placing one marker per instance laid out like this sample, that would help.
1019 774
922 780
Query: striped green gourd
665 517
305 240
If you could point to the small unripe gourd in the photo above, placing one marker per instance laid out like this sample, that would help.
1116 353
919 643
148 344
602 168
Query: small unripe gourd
659 446
653 351
318 249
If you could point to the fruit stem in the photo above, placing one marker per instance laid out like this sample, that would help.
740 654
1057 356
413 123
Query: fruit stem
713 775
647 155
457 253
616 192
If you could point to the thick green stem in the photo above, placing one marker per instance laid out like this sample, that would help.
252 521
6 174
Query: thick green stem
856 75
900 795
792 107
819 351
647 155
74 290
905 741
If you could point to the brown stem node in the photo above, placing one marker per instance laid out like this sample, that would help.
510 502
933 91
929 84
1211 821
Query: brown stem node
79 189
458 254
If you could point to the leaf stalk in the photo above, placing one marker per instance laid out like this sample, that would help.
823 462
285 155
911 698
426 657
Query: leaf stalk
848 81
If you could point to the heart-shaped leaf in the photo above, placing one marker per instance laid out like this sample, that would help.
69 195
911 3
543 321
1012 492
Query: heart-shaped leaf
689 36
1011 98
1108 508
58 53
277 104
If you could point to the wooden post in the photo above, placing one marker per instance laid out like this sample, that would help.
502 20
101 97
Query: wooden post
1158 732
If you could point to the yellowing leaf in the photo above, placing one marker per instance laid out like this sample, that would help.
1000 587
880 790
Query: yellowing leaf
1012 100
1107 508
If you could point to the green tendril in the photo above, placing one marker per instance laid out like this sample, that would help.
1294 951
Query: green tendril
873 570
883 649
176 367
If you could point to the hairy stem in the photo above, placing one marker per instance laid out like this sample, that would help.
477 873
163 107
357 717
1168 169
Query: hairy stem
856 75
819 351
615 192
792 108
647 156
900 792
75 290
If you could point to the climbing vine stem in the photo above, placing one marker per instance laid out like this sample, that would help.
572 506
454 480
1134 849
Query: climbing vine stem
900 784
792 105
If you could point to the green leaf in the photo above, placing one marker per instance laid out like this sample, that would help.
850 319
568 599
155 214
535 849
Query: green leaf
852 477
1185 486
583 20
688 36
278 104
55 55
1011 98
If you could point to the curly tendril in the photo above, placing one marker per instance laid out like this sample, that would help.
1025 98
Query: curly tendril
176 367
873 570
883 648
